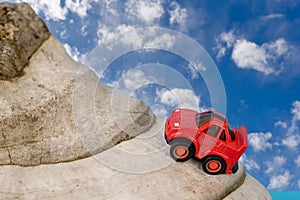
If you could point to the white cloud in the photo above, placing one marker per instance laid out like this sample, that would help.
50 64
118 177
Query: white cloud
259 141
228 39
249 164
159 111
280 181
80 7
196 68
299 184
51 9
136 38
74 53
54 11
280 124
178 15
125 34
249 55
297 161
265 58
165 41
277 48
293 129
134 79
109 8
179 97
296 110
273 16
146 11
262 58
275 165
291 141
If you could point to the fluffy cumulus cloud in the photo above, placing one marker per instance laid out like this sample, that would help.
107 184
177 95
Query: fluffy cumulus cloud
196 68
51 9
260 141
280 124
74 53
279 177
123 33
296 117
80 7
249 55
275 165
134 37
292 139
249 163
135 79
297 161
280 181
55 11
225 41
178 97
147 11
178 15
165 41
265 58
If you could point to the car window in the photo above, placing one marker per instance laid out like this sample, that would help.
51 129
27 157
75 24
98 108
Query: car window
203 118
223 136
232 134
213 130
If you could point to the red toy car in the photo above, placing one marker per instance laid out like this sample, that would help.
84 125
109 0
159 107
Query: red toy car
206 136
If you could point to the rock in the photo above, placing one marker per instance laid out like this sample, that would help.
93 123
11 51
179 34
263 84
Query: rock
250 189
139 168
63 113
21 33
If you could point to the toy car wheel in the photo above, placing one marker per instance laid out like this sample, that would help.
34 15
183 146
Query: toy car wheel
181 151
235 168
214 165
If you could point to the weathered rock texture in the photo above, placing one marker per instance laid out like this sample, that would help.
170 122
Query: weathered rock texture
21 33
59 111
111 175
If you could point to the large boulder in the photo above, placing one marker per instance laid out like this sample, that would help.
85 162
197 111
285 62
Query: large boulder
56 110
139 168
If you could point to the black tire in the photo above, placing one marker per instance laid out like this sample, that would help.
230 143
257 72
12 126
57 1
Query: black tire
214 165
181 151
235 168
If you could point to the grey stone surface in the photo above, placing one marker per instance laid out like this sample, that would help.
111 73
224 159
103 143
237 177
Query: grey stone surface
59 111
250 189
21 33
139 168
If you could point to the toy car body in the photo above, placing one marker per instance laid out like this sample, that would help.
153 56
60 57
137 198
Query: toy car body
205 136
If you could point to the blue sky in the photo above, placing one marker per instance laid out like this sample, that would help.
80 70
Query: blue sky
255 46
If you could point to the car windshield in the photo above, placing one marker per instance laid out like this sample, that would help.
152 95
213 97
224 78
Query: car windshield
203 118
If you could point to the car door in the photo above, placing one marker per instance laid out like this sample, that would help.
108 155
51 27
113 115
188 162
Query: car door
209 138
